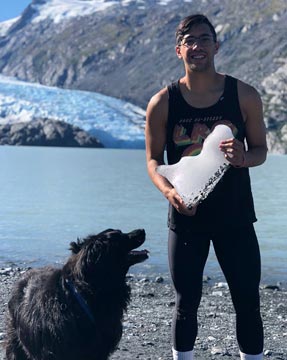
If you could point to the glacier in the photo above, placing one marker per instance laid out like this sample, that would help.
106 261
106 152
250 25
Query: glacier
115 123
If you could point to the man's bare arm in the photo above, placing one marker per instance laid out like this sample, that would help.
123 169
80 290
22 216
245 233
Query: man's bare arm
252 111
255 128
156 133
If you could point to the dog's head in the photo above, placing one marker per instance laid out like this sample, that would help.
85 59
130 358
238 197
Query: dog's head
108 254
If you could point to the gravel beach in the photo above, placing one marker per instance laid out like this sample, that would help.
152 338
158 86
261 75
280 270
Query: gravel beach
147 324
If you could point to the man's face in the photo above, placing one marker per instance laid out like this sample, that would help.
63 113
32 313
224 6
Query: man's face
198 48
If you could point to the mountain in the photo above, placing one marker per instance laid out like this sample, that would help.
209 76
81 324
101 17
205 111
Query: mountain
125 48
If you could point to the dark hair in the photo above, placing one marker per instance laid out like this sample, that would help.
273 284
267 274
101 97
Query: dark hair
188 22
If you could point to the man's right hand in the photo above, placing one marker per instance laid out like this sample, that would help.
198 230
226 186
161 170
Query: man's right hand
177 202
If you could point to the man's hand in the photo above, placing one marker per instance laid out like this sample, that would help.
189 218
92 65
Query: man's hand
234 151
177 202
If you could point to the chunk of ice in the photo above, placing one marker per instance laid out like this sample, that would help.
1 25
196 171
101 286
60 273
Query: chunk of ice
194 177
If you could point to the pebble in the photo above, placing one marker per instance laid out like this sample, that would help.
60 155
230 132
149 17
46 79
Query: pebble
271 287
206 279
267 352
171 303
217 351
221 285
211 338
6 271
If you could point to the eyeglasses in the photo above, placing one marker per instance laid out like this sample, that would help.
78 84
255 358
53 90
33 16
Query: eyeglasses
204 41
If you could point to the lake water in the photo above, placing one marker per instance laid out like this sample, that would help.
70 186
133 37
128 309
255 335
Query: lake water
51 196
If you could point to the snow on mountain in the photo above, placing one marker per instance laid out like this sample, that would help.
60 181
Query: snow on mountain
59 10
114 122
5 25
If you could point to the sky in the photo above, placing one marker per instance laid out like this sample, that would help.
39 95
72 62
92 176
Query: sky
12 8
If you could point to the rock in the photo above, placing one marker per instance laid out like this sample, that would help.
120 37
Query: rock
221 285
281 307
271 287
211 338
211 315
205 279
130 277
148 343
159 279
171 304
217 351
46 132
217 293
6 271
148 295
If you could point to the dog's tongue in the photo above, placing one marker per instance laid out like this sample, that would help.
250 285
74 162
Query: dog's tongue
138 252
137 256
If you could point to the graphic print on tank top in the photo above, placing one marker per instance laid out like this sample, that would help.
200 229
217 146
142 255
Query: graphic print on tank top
182 136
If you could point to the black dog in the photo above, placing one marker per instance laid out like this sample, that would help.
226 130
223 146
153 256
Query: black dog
75 313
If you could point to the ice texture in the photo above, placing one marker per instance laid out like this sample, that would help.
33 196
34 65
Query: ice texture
194 177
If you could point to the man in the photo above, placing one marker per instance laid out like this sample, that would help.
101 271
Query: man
179 118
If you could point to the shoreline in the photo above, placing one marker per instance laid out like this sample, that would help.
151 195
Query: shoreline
147 323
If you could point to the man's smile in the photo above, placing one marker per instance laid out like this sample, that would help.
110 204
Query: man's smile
198 56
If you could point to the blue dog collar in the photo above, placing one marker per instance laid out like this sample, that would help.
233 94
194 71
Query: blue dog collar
81 301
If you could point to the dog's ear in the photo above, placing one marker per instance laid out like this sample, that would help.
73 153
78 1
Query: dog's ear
90 260
75 247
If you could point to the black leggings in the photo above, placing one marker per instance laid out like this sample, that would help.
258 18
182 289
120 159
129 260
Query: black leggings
239 258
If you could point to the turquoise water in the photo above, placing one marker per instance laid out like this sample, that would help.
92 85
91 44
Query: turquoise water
51 196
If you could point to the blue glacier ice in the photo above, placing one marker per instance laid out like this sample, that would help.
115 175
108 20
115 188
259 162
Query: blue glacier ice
116 123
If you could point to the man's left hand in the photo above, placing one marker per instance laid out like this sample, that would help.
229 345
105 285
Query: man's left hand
233 151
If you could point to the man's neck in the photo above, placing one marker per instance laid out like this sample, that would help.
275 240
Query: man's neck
201 82
202 90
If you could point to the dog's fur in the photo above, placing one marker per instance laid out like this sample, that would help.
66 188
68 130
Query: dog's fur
48 321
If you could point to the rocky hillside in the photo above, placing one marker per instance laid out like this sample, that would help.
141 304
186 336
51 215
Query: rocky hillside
46 132
126 48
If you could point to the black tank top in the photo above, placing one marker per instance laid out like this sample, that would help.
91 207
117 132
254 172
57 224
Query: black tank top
230 203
